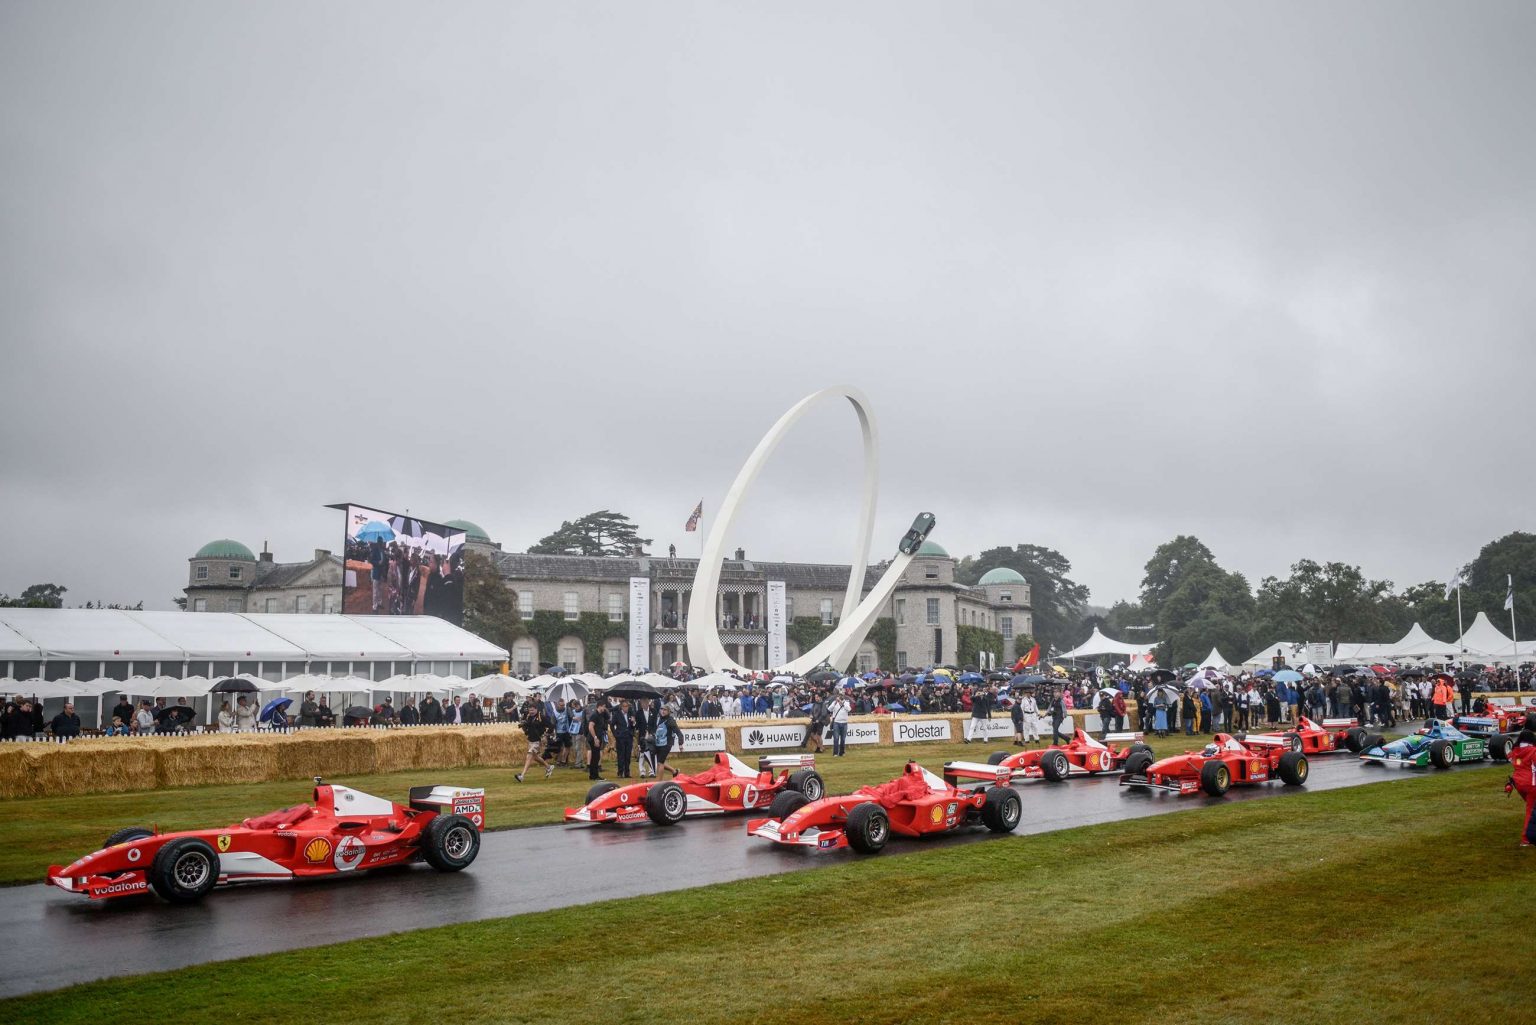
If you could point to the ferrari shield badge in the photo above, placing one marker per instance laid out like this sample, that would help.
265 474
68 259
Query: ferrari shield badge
224 842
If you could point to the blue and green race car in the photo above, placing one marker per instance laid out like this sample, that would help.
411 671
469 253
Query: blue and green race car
1439 744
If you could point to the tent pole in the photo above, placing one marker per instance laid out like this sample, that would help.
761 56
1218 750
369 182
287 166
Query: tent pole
1513 636
1461 631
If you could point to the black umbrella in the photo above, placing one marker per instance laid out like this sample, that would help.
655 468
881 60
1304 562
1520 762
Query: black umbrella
1408 673
1467 674
1341 670
637 689
1162 676
1000 676
359 712
823 675
182 713
233 685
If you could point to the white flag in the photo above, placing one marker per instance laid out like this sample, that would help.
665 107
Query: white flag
1509 597
1458 580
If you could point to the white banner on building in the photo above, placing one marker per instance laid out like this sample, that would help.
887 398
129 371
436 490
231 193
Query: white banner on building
911 732
703 738
639 624
778 644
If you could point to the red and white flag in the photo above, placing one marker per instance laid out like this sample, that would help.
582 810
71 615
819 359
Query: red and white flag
693 518
1032 659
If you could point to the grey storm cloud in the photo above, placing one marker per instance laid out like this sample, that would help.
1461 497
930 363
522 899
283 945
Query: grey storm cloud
1108 272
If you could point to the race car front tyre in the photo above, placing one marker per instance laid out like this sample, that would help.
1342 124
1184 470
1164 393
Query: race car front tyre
868 828
127 835
1138 763
1215 778
1293 739
1054 766
598 790
450 843
184 870
1354 739
666 804
809 783
1372 740
1138 746
1002 809
1442 754
1293 768
786 804
996 757
1499 745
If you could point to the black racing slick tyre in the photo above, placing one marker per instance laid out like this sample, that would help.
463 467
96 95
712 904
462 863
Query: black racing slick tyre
868 828
1002 809
666 804
1442 755
1054 766
1293 768
1499 745
184 870
450 843
1372 740
1138 746
809 783
128 834
1354 739
996 757
1138 763
786 804
598 790
1215 778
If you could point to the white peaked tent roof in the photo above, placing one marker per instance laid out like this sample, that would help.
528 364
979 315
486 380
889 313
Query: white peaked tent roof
1290 649
1350 652
1417 643
1484 640
1098 644
1215 661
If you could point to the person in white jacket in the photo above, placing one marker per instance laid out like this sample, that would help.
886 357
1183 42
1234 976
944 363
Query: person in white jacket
1026 719
245 714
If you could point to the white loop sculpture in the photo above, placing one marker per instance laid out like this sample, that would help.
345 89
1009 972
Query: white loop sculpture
704 646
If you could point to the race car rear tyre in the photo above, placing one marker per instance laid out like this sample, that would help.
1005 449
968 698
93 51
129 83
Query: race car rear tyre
598 790
1002 809
666 804
1499 745
1354 739
1442 754
996 757
1293 768
1054 766
786 804
1139 762
1372 740
1138 746
868 828
1293 739
128 834
184 870
1215 778
809 783
450 843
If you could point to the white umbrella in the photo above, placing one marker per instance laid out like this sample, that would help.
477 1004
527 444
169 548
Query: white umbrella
706 682
565 690
542 681
171 687
1106 690
595 680
660 682
497 686
99 686
425 683
42 689
325 685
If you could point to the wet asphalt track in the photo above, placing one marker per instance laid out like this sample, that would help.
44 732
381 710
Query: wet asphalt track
63 939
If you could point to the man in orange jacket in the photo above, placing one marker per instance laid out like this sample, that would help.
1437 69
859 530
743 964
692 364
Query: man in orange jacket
1441 698
1522 777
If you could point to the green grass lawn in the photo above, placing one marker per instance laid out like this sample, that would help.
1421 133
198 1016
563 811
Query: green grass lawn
42 831
1397 902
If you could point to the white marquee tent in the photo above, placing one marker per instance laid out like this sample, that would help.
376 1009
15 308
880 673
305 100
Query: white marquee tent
1215 661
1485 641
1417 643
1292 650
1098 644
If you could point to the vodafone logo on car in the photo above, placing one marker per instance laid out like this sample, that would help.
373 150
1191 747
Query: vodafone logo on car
130 887
349 854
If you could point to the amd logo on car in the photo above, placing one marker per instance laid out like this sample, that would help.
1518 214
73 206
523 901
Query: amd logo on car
908 732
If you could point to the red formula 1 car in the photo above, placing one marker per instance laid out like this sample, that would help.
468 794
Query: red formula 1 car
1222 763
1083 755
728 785
916 803
342 831
1313 738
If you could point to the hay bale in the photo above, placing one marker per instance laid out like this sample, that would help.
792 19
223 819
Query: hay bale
343 752
212 758
15 772
499 746
91 767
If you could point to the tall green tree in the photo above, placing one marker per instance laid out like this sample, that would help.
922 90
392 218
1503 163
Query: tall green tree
1511 555
1195 603
490 609
1056 600
1329 601
38 596
599 533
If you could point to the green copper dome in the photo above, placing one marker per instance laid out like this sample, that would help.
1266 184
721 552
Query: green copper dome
929 548
224 548
472 531
1002 575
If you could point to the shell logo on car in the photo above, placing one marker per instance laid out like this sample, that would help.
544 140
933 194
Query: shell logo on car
735 791
938 813
317 850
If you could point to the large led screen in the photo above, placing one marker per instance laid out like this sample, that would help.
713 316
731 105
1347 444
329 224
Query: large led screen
398 565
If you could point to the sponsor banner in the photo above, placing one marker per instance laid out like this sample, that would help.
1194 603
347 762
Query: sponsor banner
995 727
1319 652
703 739
778 645
922 730
858 733
639 623
757 738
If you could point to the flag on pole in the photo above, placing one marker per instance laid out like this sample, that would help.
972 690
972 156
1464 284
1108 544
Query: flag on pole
1509 596
693 518
1458 580
1032 659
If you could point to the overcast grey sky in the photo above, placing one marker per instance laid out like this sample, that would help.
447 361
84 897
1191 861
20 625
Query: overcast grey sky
1109 273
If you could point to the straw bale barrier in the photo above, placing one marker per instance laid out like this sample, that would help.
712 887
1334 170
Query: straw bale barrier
94 765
